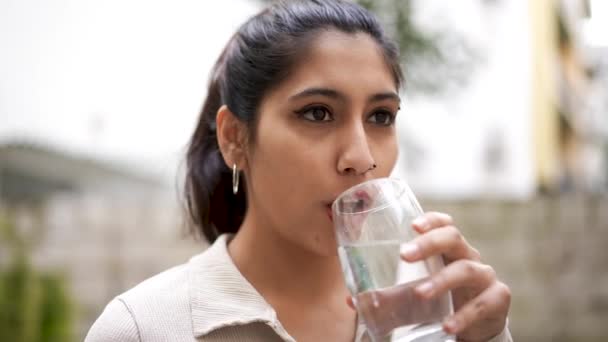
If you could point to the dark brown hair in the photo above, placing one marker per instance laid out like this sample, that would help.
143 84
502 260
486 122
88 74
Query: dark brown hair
259 56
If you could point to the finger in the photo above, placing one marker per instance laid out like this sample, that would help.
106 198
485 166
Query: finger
446 240
459 274
431 220
490 304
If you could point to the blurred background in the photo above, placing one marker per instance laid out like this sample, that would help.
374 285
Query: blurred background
504 126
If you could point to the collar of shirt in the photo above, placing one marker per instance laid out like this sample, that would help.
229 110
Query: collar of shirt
220 296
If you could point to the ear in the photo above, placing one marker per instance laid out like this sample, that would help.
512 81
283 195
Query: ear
231 137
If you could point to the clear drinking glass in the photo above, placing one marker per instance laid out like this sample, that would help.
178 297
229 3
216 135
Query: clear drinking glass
372 220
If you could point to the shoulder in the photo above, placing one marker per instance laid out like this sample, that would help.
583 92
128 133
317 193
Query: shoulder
164 289
158 306
116 323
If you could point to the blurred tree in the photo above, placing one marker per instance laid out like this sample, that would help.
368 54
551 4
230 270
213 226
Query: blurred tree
433 62
34 306
56 310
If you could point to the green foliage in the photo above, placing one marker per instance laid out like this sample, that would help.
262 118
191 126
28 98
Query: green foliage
19 297
56 310
432 62
34 306
369 4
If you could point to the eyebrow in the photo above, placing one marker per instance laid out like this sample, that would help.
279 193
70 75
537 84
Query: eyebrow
331 93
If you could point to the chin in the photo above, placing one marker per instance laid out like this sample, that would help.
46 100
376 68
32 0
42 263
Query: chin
324 245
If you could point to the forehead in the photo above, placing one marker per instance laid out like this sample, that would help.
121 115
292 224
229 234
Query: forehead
349 62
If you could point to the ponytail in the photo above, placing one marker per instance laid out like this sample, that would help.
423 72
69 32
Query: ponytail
212 207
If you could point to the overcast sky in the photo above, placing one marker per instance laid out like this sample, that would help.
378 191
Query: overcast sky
125 80
117 79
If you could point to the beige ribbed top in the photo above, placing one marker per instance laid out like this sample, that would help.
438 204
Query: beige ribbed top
206 299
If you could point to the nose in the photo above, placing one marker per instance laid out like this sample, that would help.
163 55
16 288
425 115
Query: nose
355 156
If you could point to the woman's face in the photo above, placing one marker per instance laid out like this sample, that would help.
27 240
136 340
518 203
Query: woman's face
318 133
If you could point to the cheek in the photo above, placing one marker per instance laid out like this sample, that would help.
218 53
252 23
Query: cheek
284 170
387 151
284 163
288 187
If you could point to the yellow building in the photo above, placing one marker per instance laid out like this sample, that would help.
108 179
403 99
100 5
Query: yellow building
569 151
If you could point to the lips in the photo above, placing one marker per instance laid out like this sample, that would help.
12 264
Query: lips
359 201
363 200
356 202
362 195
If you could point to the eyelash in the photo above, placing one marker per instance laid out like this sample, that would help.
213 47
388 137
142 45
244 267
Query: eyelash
391 117
302 114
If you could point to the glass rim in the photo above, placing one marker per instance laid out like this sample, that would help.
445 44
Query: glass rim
403 189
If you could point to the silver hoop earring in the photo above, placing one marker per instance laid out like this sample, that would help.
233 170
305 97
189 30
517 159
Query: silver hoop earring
235 179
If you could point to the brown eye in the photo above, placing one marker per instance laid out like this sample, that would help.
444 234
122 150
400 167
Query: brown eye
317 114
382 118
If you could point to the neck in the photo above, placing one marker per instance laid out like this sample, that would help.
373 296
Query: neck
280 269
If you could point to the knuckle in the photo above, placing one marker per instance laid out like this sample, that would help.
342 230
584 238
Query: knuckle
440 279
475 254
438 218
454 234
432 214
431 218
489 271
480 307
469 267
448 218
430 242
504 291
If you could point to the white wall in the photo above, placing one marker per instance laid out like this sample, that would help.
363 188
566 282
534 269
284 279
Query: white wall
455 130
117 79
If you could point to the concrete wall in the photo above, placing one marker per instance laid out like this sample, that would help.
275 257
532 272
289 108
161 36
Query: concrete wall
551 251
104 245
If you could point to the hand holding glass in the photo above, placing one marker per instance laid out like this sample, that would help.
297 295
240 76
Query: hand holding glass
372 220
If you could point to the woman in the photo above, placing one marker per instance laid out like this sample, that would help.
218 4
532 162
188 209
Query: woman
301 106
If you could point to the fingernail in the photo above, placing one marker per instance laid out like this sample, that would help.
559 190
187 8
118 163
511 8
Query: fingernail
425 288
420 222
409 250
450 325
